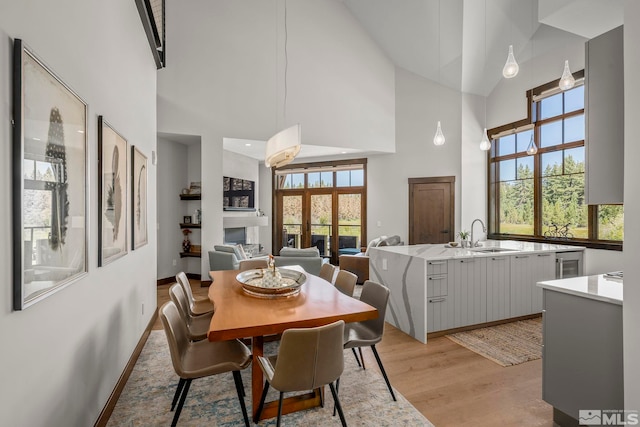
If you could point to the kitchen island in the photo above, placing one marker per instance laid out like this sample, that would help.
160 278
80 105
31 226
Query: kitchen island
582 366
436 288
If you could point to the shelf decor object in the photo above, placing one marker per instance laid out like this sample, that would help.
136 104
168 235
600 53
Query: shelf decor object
138 198
49 199
113 190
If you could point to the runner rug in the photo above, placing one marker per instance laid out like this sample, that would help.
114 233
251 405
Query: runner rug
507 344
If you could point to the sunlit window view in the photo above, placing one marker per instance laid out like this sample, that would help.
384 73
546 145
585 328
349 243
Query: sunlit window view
322 208
542 194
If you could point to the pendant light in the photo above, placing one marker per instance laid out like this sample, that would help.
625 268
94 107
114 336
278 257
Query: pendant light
438 138
511 67
566 81
485 144
532 148
285 145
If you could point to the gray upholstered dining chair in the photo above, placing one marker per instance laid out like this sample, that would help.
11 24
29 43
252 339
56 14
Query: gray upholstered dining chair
197 326
197 306
192 360
250 264
346 282
308 358
369 332
327 271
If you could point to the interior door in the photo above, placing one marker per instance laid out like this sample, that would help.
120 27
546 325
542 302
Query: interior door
431 210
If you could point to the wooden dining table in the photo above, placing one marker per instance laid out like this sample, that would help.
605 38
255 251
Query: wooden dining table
239 315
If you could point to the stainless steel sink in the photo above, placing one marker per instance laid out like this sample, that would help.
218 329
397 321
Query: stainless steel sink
491 250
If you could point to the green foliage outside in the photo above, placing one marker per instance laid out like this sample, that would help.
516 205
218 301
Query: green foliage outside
563 202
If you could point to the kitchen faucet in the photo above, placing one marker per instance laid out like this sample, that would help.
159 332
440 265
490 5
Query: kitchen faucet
484 230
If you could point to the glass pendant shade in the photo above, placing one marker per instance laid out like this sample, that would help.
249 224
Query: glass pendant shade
485 144
438 139
532 148
283 147
511 67
566 81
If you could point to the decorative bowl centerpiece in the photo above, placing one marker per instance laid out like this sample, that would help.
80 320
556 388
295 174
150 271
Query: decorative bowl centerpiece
271 282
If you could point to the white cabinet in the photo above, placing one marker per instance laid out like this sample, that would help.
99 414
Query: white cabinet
439 307
526 271
467 287
498 292
604 111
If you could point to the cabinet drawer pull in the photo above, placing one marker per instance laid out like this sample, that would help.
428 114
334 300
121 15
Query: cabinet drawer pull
467 260
498 259
437 262
544 254
437 299
522 256
437 277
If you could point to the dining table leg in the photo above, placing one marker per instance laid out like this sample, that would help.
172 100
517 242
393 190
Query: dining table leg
257 383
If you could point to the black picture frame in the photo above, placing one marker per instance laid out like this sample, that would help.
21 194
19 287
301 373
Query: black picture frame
113 191
49 176
186 219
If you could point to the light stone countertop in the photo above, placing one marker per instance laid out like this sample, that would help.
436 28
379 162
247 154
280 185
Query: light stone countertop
441 251
596 287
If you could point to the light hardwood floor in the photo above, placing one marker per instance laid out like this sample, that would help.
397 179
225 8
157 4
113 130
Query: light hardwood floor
450 385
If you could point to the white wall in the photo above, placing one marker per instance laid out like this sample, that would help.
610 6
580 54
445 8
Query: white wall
473 185
172 173
222 81
417 112
507 102
266 205
62 356
631 307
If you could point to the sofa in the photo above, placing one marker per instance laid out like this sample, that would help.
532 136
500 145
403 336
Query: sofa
358 264
308 258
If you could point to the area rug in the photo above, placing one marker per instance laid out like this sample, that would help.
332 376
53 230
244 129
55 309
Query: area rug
507 344
212 401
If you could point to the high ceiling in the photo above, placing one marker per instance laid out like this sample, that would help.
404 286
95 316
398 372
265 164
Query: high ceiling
463 44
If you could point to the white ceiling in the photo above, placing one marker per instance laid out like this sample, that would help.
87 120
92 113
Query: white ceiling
463 44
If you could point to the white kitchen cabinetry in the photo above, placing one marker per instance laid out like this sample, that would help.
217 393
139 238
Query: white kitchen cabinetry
439 307
498 292
467 287
604 111
526 271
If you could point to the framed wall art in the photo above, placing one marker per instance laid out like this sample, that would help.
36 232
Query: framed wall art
138 198
113 190
49 201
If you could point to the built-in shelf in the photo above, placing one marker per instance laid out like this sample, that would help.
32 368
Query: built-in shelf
190 254
190 197
183 225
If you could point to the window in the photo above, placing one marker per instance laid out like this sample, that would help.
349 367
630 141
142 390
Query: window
542 196
322 205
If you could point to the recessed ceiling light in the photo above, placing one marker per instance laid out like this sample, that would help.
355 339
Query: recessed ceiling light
36 139
247 145
80 131
343 152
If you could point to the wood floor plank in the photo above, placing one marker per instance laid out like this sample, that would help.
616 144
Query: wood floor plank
449 384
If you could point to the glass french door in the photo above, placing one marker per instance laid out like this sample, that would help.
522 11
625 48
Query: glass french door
308 218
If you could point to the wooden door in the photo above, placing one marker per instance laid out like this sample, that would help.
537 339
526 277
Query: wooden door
431 210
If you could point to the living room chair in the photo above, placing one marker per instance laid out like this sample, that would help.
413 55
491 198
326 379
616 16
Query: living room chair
192 360
309 358
327 271
197 326
346 282
251 264
199 306
369 332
